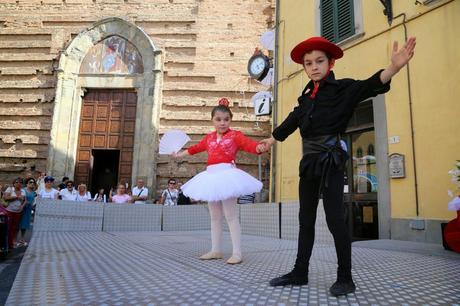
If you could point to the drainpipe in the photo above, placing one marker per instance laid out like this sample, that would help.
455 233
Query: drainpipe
409 89
275 101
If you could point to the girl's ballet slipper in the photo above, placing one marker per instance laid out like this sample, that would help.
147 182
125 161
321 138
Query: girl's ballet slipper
234 260
211 255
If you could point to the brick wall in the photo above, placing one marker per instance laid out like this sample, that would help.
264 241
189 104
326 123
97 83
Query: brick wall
206 45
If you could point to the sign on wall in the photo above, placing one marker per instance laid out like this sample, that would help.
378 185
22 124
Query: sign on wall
397 169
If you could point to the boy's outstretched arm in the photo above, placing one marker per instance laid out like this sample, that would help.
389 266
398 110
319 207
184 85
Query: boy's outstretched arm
399 58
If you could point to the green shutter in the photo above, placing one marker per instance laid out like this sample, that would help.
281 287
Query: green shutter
337 19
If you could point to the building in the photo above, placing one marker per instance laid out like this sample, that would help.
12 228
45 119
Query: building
403 143
87 87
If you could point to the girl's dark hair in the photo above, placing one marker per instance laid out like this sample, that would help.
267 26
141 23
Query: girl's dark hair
221 108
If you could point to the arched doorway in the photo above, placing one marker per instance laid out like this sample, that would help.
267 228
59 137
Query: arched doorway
116 58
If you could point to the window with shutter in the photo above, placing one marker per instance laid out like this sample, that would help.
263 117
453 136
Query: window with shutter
337 19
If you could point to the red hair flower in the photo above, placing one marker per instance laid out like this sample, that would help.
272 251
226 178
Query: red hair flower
224 102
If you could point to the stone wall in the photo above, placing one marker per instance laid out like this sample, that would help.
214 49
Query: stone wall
205 44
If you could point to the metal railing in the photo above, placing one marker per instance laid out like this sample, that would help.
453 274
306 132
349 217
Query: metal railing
277 220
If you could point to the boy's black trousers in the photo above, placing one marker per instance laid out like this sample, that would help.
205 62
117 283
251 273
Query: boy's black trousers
335 217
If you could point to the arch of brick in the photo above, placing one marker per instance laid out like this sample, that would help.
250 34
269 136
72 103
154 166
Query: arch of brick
71 87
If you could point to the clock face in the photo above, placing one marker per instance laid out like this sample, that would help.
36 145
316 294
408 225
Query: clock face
257 65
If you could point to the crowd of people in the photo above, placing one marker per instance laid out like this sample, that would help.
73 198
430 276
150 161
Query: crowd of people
19 199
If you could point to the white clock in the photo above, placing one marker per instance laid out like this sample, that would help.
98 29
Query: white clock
258 66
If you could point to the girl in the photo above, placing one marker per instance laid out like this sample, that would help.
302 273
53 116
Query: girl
222 183
24 225
325 107
121 196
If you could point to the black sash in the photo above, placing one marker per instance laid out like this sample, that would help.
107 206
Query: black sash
321 155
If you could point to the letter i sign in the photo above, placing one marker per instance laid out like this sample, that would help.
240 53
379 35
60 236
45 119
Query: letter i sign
262 106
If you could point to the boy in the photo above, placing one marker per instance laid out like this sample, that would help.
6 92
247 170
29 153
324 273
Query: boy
324 109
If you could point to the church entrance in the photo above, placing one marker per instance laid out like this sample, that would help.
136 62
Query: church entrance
104 172
106 138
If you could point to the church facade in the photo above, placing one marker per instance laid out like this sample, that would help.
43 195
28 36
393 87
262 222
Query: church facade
88 87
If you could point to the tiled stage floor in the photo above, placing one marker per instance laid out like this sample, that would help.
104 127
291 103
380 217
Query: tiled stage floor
161 268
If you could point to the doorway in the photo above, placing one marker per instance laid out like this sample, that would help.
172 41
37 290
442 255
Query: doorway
104 170
361 184
106 137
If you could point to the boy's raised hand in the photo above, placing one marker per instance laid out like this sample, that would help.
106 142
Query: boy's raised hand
399 58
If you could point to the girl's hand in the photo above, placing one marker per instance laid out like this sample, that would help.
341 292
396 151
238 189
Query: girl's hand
180 154
267 143
261 148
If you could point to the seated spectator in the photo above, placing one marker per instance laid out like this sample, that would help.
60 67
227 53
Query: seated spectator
69 193
121 196
182 199
247 199
83 195
169 195
15 197
63 184
100 196
140 192
48 192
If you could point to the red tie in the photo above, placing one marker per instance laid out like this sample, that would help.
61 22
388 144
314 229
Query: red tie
315 90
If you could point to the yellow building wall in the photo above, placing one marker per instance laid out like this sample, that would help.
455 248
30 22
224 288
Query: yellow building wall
434 81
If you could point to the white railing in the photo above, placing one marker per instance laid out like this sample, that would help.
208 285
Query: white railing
262 219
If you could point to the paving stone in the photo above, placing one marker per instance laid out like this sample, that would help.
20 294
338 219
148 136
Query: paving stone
162 268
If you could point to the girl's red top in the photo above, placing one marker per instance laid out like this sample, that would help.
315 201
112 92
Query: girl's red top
224 150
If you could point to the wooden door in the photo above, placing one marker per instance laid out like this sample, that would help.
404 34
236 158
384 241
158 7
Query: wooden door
107 121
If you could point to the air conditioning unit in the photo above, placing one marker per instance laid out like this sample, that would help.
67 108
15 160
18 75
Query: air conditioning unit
425 2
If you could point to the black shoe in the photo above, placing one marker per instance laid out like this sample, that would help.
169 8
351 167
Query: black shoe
290 279
342 288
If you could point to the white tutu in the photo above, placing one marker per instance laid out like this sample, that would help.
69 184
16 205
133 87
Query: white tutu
221 182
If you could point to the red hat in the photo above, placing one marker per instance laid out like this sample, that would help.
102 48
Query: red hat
315 43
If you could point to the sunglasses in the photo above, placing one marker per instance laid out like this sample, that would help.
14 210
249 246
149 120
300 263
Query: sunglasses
172 183
31 182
